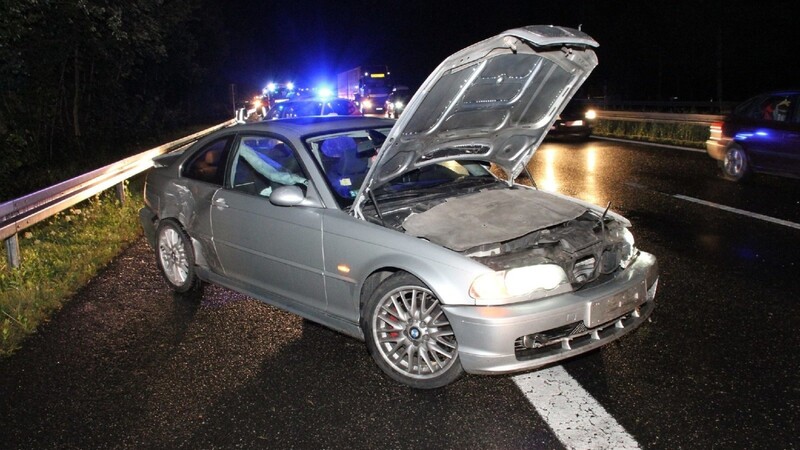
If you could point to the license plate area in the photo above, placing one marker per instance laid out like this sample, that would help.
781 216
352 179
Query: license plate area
611 307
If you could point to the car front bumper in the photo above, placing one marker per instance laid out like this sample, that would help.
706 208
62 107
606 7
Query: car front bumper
567 132
490 338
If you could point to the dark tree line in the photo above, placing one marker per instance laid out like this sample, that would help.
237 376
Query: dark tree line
83 82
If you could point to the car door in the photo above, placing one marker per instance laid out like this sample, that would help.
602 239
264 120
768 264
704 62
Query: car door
788 158
202 175
273 251
764 130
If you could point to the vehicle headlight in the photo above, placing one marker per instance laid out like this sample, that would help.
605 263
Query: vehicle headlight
398 105
590 114
367 104
628 248
519 284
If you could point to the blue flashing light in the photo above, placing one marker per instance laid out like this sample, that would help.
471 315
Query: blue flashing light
271 87
290 86
324 92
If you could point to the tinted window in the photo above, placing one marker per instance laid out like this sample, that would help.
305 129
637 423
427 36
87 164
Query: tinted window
208 164
767 107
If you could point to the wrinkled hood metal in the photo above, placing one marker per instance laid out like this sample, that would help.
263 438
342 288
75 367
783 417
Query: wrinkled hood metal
492 101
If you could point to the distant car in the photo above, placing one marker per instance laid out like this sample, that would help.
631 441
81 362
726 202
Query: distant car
761 135
574 122
313 107
398 234
397 101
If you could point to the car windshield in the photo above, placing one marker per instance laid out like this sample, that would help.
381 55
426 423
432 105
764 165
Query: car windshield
345 159
435 177
304 108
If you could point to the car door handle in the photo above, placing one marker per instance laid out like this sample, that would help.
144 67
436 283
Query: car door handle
220 203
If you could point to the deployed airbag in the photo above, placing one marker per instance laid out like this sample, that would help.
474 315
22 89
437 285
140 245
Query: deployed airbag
490 216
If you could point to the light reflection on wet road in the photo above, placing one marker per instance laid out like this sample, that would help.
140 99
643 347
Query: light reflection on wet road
718 367
127 364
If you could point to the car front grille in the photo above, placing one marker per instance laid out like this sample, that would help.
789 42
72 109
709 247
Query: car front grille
575 335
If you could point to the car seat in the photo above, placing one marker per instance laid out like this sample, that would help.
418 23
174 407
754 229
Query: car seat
344 169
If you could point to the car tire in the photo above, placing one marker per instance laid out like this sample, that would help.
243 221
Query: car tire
735 165
408 334
175 257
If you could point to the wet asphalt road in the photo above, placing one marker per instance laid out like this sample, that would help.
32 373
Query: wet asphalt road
128 364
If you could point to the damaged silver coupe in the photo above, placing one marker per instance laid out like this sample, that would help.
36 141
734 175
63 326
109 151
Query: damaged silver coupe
397 233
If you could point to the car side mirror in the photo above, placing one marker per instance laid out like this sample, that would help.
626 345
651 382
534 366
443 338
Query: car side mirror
292 195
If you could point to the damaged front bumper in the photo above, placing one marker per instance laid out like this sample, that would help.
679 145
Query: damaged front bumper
523 336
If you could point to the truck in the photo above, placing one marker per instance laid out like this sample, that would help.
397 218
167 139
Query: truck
368 86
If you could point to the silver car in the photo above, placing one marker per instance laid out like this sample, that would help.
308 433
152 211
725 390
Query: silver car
397 233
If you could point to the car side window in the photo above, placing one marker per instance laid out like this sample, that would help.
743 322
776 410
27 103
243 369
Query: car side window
775 108
208 164
262 164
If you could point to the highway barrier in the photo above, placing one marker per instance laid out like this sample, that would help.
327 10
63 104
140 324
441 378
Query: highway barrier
18 214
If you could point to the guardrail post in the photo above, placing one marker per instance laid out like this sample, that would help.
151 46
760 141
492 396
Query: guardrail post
121 193
12 251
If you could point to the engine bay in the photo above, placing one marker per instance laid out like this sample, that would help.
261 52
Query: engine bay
505 228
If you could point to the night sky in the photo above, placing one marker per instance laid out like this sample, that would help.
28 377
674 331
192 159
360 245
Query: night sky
649 50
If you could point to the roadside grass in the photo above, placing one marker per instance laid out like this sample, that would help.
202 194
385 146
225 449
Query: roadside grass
684 135
59 256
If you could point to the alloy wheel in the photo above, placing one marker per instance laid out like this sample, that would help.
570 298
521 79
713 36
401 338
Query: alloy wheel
412 333
172 253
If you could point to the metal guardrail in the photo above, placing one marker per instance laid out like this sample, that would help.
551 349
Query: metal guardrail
633 116
21 213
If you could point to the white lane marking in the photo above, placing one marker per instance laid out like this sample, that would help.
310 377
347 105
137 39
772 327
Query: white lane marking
785 223
575 417
731 209
653 144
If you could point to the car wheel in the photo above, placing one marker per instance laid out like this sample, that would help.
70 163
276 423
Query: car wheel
735 166
408 334
175 257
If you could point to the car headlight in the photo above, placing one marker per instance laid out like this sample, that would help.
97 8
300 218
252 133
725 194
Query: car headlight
629 251
398 105
367 104
519 284
591 114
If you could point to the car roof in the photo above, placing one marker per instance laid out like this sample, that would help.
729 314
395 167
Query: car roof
313 100
311 125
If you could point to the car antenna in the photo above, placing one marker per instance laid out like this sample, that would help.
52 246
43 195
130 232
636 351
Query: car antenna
377 209
603 219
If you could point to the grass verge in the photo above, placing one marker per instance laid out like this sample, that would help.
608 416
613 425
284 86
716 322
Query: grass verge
59 256
683 135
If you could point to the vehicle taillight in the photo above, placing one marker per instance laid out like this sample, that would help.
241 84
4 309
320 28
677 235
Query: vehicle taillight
715 130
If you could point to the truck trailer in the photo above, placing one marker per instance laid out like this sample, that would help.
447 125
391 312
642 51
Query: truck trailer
368 86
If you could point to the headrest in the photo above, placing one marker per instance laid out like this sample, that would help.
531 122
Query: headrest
337 146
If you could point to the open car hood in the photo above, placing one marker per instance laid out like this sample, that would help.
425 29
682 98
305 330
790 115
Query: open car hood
493 101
